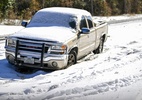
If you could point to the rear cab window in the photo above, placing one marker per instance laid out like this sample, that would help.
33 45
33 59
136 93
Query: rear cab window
83 23
90 22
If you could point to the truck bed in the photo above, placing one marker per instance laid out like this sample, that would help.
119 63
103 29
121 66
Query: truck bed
98 22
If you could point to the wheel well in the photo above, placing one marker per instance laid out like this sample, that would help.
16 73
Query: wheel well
104 36
75 49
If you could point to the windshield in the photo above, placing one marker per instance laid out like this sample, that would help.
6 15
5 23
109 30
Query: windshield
52 19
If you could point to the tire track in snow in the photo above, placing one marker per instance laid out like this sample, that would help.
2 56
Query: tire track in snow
119 61
100 87
72 94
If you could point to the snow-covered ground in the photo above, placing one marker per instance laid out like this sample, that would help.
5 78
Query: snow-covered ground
6 30
119 19
116 74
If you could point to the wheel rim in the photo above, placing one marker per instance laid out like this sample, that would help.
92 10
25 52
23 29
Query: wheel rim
71 60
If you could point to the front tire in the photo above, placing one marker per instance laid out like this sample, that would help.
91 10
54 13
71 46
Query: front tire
72 58
100 47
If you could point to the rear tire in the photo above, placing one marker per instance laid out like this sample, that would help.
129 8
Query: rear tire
100 47
72 58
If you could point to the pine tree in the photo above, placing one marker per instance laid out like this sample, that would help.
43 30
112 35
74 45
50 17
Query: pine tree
127 6
101 8
136 6
113 4
11 13
3 8
34 6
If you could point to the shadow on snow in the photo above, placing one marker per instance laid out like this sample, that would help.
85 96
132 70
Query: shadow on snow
8 71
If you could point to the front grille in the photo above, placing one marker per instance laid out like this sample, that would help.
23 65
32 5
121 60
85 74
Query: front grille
32 47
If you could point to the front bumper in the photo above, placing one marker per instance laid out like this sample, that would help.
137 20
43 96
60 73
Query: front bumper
33 60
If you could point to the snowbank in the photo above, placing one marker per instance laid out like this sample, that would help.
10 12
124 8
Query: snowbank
119 19
11 22
7 30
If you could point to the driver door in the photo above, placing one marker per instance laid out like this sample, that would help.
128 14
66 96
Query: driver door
83 39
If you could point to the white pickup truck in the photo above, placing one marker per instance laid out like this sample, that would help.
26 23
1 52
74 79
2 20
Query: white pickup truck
56 38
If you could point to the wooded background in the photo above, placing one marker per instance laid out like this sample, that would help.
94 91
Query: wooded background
24 9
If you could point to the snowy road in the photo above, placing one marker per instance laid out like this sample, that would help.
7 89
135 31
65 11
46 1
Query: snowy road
112 75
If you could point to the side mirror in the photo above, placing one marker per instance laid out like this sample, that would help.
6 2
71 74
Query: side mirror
85 31
24 24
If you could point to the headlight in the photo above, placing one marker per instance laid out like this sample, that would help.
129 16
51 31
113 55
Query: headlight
57 49
63 47
11 42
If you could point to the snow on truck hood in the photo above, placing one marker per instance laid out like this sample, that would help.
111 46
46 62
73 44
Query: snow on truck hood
59 34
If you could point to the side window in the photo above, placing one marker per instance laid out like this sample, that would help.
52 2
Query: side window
90 22
83 23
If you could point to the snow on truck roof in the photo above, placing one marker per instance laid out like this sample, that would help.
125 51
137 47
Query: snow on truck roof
56 16
65 10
